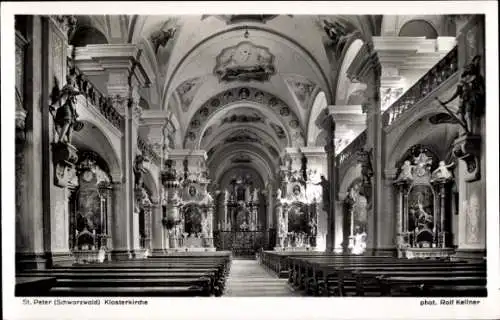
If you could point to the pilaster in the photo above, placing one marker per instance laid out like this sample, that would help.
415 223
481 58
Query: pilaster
366 68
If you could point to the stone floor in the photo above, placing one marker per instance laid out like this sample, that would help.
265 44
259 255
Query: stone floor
249 279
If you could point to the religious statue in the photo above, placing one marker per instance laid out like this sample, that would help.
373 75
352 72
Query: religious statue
359 245
160 38
255 197
226 196
353 193
442 172
423 219
422 164
278 194
406 171
282 230
336 32
471 92
247 194
325 185
204 226
65 118
365 159
145 198
139 170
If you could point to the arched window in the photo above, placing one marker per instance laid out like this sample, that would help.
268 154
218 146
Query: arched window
418 28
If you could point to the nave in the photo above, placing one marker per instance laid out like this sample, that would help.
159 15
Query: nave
349 165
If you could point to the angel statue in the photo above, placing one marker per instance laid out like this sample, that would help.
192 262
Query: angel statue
278 194
442 172
406 171
65 118
470 91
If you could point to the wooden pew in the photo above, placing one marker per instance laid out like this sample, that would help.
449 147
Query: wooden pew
335 280
36 286
334 270
435 285
182 275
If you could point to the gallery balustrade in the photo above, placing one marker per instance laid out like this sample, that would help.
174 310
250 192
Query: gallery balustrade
428 83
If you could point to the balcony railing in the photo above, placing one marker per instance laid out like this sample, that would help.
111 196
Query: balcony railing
100 101
148 151
438 74
351 149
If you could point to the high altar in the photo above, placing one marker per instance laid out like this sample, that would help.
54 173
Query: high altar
240 227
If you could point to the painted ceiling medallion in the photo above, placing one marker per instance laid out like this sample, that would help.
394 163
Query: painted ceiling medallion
245 62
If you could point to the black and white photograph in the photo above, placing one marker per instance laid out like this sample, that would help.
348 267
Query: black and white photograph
340 158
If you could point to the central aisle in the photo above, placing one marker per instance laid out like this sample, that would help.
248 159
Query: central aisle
249 279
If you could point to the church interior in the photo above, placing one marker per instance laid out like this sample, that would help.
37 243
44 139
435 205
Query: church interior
250 155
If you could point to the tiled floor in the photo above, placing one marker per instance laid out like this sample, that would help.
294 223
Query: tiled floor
249 279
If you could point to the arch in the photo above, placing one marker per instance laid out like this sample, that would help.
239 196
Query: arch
318 106
392 24
91 137
262 161
418 28
349 176
85 35
421 131
343 82
247 105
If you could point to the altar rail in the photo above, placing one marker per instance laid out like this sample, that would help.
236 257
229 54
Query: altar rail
428 83
97 99
242 242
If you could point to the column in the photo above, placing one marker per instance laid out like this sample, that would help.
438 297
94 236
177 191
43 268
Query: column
210 217
156 227
280 227
148 212
329 126
119 226
125 99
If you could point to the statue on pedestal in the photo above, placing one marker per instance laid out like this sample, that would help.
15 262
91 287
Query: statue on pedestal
139 170
471 92
365 159
325 185
65 117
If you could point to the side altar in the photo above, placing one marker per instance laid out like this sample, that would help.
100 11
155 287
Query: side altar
188 207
